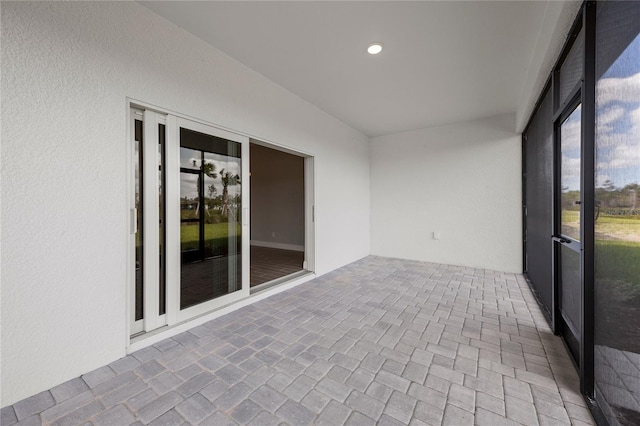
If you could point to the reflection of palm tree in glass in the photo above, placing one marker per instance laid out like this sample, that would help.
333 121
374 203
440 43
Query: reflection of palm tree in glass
208 169
209 202
227 179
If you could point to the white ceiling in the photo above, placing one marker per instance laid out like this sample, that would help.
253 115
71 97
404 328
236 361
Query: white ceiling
442 62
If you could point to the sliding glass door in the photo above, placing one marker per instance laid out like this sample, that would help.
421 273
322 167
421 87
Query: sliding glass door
189 219
148 134
567 236
211 191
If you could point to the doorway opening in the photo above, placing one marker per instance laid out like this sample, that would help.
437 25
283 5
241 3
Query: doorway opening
281 214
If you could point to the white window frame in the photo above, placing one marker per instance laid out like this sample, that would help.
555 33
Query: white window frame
152 320
135 327
151 275
310 215
177 315
309 262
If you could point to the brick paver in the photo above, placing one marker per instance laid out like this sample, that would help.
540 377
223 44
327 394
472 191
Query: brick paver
381 340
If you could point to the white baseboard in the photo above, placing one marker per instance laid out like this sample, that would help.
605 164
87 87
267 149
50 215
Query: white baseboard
280 246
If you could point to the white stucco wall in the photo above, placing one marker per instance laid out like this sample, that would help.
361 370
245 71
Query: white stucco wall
460 180
67 69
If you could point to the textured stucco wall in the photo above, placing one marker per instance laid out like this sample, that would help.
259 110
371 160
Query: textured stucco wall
67 69
460 180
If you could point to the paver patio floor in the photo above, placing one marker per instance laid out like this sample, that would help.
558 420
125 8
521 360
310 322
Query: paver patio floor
380 341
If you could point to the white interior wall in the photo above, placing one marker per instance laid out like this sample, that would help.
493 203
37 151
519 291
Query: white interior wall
462 181
277 199
67 70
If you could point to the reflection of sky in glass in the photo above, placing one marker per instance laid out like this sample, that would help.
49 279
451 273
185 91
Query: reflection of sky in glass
188 181
618 120
570 147
189 158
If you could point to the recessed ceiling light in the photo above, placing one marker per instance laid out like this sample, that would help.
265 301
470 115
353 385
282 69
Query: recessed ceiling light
374 48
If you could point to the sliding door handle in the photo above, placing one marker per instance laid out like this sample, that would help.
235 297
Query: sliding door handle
561 240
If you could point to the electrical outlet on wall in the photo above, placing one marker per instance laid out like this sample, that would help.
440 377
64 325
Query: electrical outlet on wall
436 235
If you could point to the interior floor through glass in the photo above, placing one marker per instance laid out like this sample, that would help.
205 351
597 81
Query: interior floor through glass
268 264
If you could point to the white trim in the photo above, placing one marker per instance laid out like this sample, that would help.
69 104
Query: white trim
133 326
279 147
253 138
172 216
204 308
279 281
149 145
208 306
150 220
245 211
202 127
309 263
309 214
281 246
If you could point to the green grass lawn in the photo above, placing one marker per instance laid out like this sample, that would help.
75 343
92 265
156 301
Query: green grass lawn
574 215
570 215
618 228
606 227
617 285
619 220
215 235
618 260
617 255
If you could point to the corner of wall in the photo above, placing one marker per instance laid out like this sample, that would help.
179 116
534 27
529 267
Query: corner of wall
460 186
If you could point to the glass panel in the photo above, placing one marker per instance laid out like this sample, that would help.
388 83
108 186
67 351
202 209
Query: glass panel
210 212
138 157
231 211
571 69
190 159
190 241
571 287
539 200
215 242
617 226
570 132
189 195
161 236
